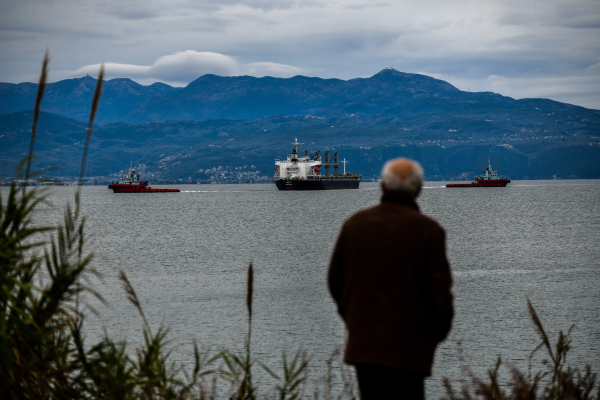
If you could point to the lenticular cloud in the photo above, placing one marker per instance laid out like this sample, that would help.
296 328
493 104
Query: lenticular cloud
185 66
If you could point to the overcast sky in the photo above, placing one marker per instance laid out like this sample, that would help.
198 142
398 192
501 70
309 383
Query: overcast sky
517 48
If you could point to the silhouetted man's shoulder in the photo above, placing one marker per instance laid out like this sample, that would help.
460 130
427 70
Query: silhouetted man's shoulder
389 217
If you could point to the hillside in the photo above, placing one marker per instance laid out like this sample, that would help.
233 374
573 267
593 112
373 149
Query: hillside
181 149
72 97
213 97
388 92
179 133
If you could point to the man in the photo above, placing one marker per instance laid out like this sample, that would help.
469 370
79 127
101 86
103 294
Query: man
391 281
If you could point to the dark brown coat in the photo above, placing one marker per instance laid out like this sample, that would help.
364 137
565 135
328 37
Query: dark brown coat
391 281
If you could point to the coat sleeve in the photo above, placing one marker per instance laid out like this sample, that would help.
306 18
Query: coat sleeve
335 276
438 282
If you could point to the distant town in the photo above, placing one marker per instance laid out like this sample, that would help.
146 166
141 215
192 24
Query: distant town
216 175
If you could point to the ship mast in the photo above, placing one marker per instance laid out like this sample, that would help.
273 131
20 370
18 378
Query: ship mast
344 162
296 144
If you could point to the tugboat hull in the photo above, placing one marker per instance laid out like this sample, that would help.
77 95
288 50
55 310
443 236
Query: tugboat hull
132 184
118 188
489 183
316 184
490 178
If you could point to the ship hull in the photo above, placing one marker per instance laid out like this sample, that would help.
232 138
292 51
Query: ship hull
317 184
119 188
485 183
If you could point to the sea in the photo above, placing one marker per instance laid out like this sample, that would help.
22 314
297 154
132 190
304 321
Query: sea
187 256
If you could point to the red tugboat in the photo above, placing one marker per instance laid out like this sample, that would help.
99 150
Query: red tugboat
132 184
490 178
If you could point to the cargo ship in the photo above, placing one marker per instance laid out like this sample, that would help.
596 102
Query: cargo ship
304 173
490 178
132 184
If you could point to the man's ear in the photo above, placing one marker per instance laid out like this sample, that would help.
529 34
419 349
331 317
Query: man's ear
382 186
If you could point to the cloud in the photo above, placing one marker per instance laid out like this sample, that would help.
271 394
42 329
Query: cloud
569 89
185 66
575 14
259 69
148 9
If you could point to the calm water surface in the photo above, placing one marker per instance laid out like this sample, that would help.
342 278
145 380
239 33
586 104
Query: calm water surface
187 253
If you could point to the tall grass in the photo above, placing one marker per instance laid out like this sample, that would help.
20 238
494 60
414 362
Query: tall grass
557 381
44 354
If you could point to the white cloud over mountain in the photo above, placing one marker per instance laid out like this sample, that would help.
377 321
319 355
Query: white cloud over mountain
185 66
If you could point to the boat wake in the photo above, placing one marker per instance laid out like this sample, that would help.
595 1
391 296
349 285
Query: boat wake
224 191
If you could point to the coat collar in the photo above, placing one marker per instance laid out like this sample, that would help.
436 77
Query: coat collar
399 198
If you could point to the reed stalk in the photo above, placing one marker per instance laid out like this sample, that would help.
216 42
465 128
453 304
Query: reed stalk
240 365
36 111
88 136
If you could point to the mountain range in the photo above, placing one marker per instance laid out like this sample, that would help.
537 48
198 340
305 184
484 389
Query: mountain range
231 121
216 97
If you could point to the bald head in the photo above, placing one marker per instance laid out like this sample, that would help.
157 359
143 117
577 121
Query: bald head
402 175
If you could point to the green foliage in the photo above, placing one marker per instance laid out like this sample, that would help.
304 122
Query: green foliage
36 346
557 382
42 347
292 382
239 374
338 374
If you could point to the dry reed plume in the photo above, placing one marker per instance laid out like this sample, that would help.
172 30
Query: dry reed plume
36 110
88 136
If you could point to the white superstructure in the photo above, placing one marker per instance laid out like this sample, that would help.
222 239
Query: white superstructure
304 173
298 167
